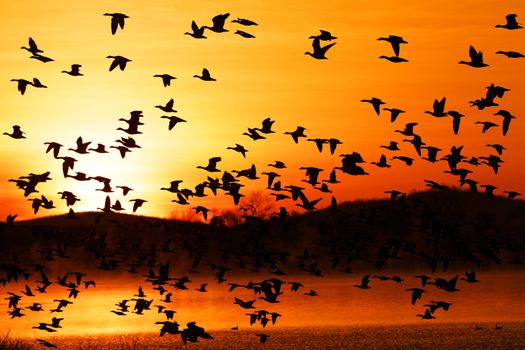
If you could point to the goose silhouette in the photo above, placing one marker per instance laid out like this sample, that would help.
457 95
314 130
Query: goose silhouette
511 23
41 58
434 305
311 293
212 165
470 277
266 126
75 70
431 153
33 47
512 194
511 54
44 327
173 121
118 61
333 177
318 51
507 118
125 189
278 165
244 22
67 164
122 150
417 142
427 315
168 108
218 23
166 78
333 143
382 163
202 210
486 125
244 34
324 36
99 149
438 108
392 146
394 59
205 75
456 120
297 133
38 84
239 148
319 143
46 343
364 283
196 31
376 103
22 85
408 130
253 134
128 142
82 147
202 288
117 20
476 59
395 41
55 322
174 186
394 113
499 148
17 133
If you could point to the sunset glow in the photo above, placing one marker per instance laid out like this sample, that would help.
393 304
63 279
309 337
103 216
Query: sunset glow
266 77
225 171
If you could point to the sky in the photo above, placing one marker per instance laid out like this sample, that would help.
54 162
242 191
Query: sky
267 76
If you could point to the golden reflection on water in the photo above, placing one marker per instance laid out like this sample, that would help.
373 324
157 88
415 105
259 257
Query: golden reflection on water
498 298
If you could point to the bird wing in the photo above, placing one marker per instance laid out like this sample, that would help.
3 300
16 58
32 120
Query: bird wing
326 47
122 61
414 297
33 46
505 125
218 21
455 124
194 27
395 47
114 64
214 160
121 21
511 19
21 87
114 24
473 54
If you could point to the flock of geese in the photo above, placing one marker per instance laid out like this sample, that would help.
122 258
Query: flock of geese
256 252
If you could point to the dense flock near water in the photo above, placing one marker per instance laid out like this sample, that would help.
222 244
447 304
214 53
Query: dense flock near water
409 336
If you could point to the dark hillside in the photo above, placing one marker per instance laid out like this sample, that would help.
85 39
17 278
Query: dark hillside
437 230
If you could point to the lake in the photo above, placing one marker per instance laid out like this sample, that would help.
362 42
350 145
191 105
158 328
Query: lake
408 336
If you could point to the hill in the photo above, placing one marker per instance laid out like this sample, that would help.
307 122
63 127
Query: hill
434 230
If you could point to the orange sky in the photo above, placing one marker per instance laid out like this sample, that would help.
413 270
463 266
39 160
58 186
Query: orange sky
256 78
